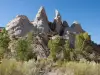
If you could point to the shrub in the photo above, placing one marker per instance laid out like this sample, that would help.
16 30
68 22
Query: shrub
31 67
4 43
10 67
84 48
55 47
68 52
48 67
24 50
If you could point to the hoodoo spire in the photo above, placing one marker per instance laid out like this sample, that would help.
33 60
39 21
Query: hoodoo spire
58 21
57 14
41 21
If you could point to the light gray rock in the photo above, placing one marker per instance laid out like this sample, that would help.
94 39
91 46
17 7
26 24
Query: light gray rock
58 21
69 35
41 48
19 26
41 21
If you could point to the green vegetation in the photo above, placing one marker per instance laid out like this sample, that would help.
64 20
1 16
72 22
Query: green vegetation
68 52
54 46
66 60
4 42
24 48
83 49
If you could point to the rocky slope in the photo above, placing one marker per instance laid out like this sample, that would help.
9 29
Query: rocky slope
21 26
41 21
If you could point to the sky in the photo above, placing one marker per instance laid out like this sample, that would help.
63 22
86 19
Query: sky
86 12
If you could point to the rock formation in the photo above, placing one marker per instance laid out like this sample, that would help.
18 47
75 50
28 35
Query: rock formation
70 32
65 24
58 21
52 26
63 27
40 48
19 26
41 21
77 27
44 29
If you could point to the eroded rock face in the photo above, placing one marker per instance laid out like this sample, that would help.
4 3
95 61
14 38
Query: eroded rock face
63 27
58 21
19 26
52 26
40 48
70 32
77 27
41 21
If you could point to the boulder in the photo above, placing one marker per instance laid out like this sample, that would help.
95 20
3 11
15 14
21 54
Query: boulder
19 26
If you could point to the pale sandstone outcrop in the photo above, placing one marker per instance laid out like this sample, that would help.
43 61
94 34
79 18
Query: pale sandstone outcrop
58 21
41 21
19 26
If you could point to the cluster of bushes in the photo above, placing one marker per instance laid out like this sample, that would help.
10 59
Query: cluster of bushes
83 49
4 43
23 48
60 49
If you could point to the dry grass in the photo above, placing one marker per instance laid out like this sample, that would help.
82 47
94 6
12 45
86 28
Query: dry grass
47 67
